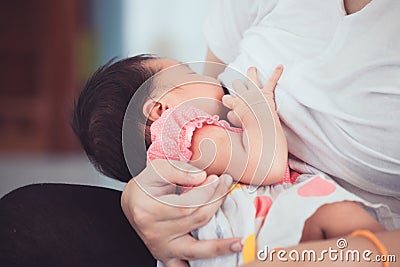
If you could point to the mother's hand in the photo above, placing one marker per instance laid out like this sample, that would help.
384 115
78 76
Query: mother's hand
164 219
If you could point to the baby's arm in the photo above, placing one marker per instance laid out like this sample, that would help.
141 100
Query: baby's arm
338 219
246 156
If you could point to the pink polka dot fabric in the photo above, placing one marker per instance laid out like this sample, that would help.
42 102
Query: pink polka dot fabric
172 133
317 187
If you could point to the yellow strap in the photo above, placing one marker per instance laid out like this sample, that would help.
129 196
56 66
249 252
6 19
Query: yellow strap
377 243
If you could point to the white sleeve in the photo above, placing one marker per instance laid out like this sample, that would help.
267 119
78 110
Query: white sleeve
226 22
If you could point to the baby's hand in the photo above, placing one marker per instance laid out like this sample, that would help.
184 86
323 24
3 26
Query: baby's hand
268 89
250 94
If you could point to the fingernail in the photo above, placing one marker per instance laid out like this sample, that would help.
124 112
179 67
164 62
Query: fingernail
227 179
198 175
214 180
226 97
237 246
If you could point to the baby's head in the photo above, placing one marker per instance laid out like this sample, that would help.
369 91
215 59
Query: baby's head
157 84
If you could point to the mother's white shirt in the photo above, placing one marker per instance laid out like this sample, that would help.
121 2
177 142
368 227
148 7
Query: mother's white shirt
339 96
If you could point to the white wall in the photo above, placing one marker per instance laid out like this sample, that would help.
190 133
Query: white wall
169 28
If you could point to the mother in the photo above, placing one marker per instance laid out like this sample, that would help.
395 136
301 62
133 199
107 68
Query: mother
338 100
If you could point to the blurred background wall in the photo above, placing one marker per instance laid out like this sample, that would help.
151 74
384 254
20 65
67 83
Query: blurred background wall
49 48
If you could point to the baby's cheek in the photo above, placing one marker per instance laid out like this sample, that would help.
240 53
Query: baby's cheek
217 108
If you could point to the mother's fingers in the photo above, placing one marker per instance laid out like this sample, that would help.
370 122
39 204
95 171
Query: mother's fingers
176 263
228 101
162 176
175 172
191 249
174 207
213 189
234 119
188 219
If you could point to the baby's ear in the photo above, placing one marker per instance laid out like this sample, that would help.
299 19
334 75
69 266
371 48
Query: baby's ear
153 110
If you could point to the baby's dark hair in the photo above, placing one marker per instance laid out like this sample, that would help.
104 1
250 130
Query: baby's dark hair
98 116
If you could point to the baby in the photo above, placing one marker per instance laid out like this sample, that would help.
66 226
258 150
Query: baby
174 113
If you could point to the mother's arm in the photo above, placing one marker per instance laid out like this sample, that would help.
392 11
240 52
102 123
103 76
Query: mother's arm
161 219
215 66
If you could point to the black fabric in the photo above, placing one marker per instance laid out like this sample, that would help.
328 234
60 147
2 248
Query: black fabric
67 225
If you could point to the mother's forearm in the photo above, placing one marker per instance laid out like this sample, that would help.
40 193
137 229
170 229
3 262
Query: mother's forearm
213 66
